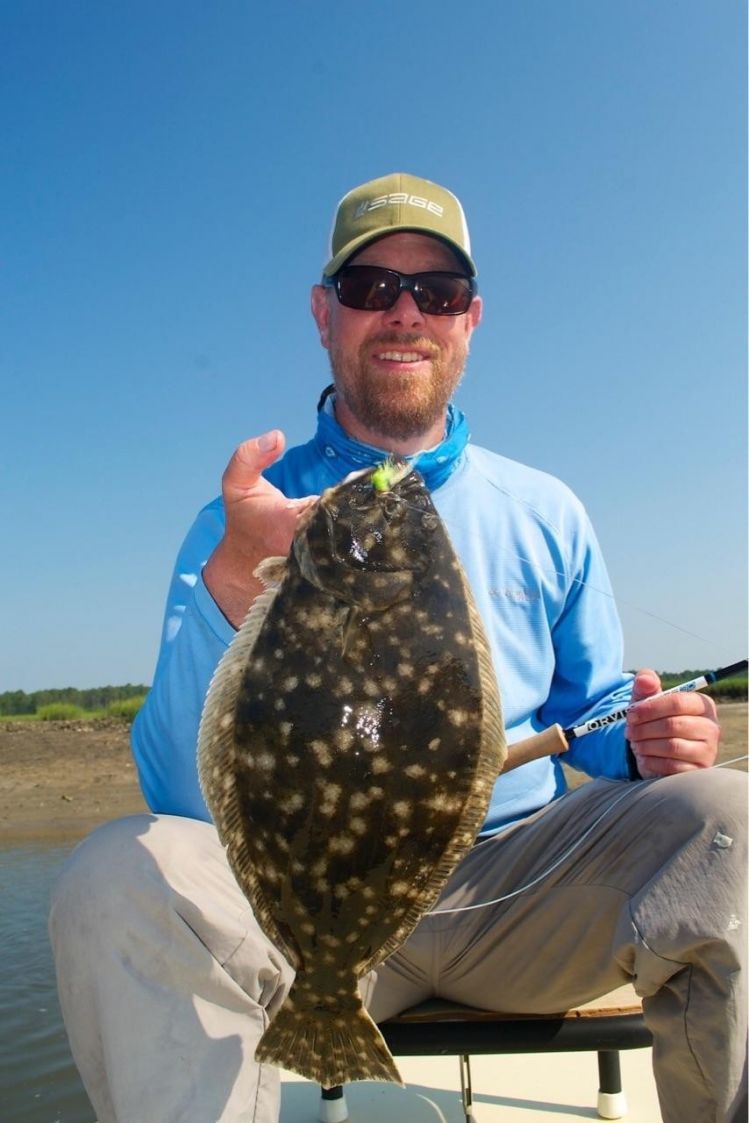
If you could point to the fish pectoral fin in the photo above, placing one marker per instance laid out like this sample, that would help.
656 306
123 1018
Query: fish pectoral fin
271 571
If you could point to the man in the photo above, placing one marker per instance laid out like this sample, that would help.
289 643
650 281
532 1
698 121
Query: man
165 979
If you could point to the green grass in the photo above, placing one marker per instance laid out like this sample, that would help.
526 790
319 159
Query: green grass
124 709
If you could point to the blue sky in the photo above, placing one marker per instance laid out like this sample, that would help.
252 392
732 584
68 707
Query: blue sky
171 171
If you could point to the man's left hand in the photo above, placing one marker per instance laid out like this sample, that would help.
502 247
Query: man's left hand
670 732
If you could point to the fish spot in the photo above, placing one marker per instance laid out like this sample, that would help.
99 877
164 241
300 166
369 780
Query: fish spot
313 679
399 888
331 793
226 721
458 718
293 802
343 738
406 670
434 744
380 765
402 808
322 753
342 844
358 825
415 771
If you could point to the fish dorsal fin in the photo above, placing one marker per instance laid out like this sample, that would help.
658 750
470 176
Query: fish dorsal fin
215 752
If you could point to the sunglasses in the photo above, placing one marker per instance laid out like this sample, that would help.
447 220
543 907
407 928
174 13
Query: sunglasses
370 288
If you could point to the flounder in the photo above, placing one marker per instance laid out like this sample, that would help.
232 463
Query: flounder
348 746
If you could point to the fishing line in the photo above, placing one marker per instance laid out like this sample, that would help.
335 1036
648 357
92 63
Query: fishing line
694 684
604 593
550 572
570 850
523 888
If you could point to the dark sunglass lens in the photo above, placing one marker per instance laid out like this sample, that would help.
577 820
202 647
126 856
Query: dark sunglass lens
369 289
439 294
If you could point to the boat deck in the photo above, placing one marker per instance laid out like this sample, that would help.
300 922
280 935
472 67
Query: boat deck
523 1088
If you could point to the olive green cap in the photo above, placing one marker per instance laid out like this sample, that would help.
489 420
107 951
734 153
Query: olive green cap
392 204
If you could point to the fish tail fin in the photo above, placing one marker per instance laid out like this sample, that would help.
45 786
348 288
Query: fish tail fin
330 1047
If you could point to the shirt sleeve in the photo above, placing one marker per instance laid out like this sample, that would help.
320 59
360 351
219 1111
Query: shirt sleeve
194 637
588 679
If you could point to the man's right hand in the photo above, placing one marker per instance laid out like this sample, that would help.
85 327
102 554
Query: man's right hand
260 523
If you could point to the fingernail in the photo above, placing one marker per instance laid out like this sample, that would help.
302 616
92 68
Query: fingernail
268 441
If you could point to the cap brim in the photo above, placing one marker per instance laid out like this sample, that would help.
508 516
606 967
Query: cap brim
357 244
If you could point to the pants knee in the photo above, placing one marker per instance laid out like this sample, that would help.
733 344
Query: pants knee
96 876
718 797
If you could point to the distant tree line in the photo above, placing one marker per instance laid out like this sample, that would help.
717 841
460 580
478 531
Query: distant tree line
96 698
728 690
14 702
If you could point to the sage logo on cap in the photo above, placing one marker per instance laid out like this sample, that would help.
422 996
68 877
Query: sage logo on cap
396 203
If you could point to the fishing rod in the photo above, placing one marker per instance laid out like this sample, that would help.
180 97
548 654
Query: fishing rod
557 740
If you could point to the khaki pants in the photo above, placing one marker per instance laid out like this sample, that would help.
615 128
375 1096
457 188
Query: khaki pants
166 981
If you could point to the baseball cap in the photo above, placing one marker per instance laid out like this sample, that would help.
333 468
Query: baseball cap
391 204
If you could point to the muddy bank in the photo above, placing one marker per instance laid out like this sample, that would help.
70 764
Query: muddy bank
61 779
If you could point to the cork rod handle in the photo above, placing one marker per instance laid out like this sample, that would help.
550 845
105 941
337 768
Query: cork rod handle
546 743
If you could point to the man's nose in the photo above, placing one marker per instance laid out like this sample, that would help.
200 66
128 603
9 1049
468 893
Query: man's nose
405 312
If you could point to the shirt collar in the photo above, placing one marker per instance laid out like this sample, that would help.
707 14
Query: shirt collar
347 455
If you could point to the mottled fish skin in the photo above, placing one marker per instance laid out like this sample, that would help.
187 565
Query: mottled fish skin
348 748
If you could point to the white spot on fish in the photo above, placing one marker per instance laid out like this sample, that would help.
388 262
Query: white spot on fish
322 753
723 841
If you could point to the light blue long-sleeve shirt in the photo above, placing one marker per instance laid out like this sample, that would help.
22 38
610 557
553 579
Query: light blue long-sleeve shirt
538 578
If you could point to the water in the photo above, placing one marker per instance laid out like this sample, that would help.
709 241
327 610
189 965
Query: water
38 1080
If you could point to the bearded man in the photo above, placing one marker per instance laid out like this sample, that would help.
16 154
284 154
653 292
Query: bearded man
167 982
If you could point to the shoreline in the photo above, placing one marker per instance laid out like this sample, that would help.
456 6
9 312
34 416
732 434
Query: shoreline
60 780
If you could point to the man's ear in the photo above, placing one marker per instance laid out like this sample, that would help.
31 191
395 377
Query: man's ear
321 311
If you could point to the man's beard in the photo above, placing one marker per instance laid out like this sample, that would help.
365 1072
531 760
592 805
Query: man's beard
393 404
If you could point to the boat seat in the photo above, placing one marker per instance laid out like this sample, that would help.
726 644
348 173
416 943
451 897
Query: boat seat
436 1028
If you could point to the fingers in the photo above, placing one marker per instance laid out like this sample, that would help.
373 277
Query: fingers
673 733
260 523
646 683
244 470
